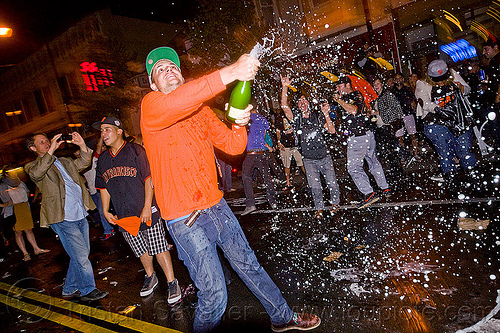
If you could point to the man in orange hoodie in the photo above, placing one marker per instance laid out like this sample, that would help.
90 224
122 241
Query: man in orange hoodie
179 134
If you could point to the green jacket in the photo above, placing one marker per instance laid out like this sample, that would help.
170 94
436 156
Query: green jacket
50 182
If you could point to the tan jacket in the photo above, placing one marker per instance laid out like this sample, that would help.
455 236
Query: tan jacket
50 182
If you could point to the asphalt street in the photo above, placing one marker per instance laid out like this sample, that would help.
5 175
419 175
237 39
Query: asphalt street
404 264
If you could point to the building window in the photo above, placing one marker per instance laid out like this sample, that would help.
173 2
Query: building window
13 120
49 99
267 12
4 126
65 89
40 102
28 108
18 106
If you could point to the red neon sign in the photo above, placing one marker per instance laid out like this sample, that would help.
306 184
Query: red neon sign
93 76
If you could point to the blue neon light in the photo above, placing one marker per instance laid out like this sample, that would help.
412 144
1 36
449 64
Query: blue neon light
459 50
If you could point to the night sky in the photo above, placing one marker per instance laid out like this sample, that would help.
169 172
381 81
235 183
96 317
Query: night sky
33 21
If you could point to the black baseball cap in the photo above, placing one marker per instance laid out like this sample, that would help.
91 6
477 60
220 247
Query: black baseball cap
109 121
492 41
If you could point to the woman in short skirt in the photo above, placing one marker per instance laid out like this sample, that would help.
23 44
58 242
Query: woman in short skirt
18 194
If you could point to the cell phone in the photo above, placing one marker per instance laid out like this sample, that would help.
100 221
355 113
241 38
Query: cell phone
482 75
192 218
66 137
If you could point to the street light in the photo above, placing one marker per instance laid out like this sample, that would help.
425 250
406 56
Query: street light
5 32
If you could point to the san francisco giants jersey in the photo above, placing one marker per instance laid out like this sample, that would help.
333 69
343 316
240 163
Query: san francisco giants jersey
123 175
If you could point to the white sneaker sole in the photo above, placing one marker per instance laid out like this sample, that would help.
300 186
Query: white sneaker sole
174 300
248 212
148 292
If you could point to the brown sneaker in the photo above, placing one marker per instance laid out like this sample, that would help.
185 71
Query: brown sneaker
334 209
318 214
300 321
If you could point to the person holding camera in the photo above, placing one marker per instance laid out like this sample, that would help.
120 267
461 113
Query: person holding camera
310 124
65 201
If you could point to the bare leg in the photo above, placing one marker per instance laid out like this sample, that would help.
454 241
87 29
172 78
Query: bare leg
31 238
287 174
303 169
401 140
166 264
147 263
20 241
414 143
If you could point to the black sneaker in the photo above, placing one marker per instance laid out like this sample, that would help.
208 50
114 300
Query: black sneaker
94 295
369 199
149 285
75 294
174 292
387 193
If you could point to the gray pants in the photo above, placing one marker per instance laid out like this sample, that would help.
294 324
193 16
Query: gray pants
323 166
361 148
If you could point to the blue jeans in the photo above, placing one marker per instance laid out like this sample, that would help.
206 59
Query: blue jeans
447 146
325 167
74 236
261 163
226 182
108 228
197 248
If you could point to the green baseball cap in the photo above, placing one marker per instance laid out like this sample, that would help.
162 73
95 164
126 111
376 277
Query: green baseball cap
161 53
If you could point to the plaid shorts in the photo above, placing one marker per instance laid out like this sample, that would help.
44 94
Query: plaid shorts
151 240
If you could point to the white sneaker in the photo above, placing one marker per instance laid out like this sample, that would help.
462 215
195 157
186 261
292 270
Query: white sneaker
438 177
149 285
174 292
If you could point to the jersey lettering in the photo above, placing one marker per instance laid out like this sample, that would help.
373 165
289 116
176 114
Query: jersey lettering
120 171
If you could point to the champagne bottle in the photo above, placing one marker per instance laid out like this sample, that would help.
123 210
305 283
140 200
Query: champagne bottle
239 100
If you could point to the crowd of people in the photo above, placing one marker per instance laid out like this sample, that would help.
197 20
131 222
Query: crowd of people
445 109
176 178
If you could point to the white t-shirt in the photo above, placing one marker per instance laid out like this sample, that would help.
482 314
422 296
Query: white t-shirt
18 194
